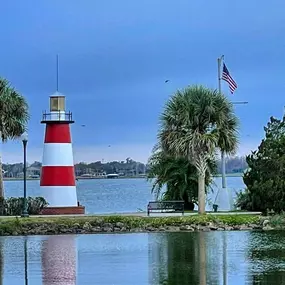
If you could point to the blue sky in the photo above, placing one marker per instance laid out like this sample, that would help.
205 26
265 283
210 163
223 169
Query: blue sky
116 55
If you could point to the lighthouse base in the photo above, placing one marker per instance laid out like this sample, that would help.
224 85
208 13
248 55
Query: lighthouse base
74 210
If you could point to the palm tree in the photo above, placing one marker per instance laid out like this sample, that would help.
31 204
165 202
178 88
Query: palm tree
178 175
197 122
13 117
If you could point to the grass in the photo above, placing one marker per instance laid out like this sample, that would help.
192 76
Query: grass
13 226
211 212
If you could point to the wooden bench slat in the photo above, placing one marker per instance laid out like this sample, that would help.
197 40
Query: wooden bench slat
177 206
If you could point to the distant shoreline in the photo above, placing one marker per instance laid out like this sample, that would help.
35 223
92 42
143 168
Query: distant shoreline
230 175
122 177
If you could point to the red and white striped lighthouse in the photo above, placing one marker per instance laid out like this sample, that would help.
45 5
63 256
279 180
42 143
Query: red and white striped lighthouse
57 183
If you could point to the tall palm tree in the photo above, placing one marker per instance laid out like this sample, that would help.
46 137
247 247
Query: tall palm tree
178 175
14 117
195 123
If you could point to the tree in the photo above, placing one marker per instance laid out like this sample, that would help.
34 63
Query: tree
264 179
13 117
195 123
178 175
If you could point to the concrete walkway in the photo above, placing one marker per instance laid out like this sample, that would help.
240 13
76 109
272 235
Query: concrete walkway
140 214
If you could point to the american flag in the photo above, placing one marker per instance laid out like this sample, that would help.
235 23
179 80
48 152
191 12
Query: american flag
227 77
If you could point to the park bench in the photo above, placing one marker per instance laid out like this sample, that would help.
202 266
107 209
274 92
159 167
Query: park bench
166 206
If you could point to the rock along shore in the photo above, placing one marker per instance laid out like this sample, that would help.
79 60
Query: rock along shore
126 224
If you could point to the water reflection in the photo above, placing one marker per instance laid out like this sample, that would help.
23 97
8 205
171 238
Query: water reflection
26 260
216 258
225 275
188 259
59 260
1 262
267 254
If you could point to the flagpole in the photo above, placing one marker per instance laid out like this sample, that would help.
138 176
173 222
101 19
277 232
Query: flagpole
223 160
57 72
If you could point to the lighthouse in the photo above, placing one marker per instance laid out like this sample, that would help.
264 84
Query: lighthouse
57 182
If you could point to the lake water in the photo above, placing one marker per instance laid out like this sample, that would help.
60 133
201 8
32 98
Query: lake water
214 258
121 195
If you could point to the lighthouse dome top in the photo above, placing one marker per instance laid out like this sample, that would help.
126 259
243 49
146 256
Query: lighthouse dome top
57 94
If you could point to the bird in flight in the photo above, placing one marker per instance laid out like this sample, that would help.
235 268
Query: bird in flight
82 125
166 81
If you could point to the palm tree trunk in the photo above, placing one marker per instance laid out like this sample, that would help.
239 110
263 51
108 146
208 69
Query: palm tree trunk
201 192
1 178
223 160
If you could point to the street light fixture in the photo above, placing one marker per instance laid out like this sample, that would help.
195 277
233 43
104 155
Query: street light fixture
25 206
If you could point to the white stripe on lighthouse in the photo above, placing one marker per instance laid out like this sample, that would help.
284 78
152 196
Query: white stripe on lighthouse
57 154
60 196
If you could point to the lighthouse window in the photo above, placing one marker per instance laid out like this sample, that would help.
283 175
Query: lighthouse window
54 104
61 103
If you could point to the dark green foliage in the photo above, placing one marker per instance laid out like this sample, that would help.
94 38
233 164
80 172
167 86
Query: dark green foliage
128 167
265 177
14 117
14 206
178 175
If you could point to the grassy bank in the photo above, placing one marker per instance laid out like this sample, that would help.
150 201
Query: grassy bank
103 224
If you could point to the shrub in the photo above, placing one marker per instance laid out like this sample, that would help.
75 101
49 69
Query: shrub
264 178
244 201
14 206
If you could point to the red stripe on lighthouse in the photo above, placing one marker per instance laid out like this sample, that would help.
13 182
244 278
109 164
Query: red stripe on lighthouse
57 176
57 133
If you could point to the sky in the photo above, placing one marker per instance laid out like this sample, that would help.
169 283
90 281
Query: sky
114 58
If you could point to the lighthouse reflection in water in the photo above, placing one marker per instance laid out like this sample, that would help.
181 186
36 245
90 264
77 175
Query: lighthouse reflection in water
59 260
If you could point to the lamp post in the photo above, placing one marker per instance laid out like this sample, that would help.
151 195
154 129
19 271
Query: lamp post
25 208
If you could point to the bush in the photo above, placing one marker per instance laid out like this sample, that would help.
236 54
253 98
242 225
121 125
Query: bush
244 201
264 178
14 206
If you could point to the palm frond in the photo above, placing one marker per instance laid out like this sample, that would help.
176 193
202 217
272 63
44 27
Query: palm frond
14 114
196 122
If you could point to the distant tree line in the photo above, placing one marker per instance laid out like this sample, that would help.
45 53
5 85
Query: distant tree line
128 167
235 164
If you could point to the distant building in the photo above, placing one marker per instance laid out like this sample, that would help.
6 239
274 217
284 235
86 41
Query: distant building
113 175
33 172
